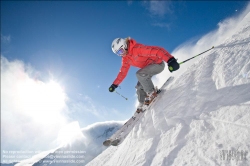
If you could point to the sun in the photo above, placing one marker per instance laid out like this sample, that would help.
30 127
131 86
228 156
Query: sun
43 102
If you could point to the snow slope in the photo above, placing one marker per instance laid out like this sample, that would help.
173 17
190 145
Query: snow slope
200 115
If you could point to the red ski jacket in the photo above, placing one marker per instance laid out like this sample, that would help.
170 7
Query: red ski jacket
140 56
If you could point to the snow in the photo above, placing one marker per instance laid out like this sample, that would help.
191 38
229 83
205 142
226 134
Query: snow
87 146
201 117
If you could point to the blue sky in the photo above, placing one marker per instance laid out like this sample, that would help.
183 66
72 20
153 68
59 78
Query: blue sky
69 42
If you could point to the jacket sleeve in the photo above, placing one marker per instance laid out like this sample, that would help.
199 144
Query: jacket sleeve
163 53
123 72
153 51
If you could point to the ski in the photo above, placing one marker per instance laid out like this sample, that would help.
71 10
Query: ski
118 137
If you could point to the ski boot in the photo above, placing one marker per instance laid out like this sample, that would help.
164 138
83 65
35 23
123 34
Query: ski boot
150 96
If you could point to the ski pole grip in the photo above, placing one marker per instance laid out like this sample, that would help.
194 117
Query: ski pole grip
170 68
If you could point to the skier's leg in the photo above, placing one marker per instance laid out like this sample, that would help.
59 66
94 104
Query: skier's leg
141 94
145 74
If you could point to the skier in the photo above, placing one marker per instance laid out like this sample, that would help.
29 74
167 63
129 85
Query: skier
150 61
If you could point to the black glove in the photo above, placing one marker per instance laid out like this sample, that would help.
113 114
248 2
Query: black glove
173 65
112 87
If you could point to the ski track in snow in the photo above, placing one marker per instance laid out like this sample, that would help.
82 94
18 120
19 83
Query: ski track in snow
199 114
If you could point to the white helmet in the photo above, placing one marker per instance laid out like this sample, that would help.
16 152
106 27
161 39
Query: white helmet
118 46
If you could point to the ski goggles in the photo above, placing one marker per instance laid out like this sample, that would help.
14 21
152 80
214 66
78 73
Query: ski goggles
121 51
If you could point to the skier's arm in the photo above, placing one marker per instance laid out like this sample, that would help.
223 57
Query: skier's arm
167 57
152 51
160 53
164 54
123 72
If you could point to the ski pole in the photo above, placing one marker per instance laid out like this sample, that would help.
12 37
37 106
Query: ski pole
196 56
121 95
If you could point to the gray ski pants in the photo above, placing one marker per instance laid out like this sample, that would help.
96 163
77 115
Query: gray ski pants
145 84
